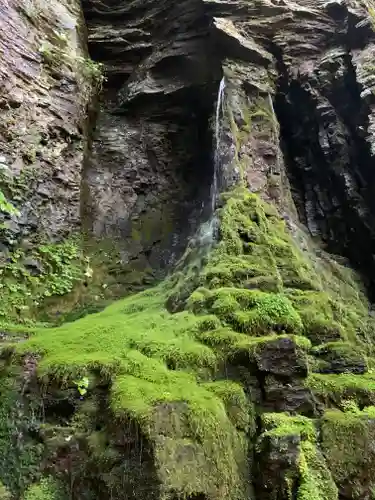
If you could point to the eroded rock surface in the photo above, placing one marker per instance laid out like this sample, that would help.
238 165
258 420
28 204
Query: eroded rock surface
314 62
150 171
44 92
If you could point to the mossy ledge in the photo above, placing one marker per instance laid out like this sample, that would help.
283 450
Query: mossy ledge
159 395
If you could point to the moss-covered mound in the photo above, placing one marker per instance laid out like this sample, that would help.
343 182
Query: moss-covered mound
157 395
289 445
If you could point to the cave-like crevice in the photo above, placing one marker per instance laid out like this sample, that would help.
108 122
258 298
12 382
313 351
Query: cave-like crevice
329 164
149 169
189 108
345 96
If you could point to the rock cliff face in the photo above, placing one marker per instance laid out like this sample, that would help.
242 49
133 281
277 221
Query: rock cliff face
44 94
151 167
248 371
164 63
46 85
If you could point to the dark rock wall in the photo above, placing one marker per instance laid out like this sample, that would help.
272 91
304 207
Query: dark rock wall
44 92
299 72
148 170
151 167
324 106
303 74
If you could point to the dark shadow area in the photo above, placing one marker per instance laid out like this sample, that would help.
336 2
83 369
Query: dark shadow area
329 163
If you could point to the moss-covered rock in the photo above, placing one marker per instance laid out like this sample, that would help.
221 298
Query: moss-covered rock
45 489
348 445
332 389
30 276
168 381
290 463
340 357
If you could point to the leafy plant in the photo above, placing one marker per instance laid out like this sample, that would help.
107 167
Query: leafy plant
92 71
82 385
7 207
59 267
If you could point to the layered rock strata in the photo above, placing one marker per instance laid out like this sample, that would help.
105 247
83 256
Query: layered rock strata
149 176
45 87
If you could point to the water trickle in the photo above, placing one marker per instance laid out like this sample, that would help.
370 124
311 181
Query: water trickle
206 233
219 107
204 238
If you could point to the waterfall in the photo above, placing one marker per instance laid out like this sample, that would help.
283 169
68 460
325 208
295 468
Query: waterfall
207 230
219 106
204 238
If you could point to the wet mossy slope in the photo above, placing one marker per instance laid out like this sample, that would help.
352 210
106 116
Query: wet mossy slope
235 378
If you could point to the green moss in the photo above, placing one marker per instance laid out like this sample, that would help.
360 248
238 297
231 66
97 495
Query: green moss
239 410
66 281
333 388
4 492
271 312
349 356
144 349
217 457
5 206
312 479
331 383
347 443
317 314
20 455
57 268
282 424
316 481
250 311
256 252
161 368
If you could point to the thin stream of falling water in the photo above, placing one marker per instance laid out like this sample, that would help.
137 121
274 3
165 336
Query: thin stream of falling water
206 234
219 107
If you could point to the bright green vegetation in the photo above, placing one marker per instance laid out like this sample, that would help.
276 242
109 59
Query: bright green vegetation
56 52
282 424
5 206
46 489
257 280
28 278
249 311
333 388
59 282
160 356
4 492
133 342
347 442
316 479
340 355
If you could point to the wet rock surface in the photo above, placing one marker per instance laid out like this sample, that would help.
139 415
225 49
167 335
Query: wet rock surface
151 166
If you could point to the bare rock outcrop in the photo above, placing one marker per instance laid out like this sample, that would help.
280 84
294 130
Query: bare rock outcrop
45 86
